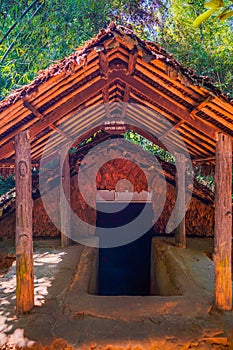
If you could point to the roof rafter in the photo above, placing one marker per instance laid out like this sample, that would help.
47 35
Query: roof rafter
175 109
41 117
59 112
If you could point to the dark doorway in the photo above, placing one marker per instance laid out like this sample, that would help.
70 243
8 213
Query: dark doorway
124 270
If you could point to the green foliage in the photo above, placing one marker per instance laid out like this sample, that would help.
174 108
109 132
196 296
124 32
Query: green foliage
36 33
149 146
6 184
214 6
206 180
48 32
207 49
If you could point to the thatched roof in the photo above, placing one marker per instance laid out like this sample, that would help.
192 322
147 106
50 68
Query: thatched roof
117 66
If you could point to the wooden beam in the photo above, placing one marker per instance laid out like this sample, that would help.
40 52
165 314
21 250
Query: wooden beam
24 245
132 61
223 223
65 209
180 236
181 113
12 162
199 160
125 100
57 113
202 104
103 63
176 126
40 116
105 94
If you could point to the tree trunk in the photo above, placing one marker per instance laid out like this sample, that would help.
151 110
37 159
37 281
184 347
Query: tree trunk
223 223
24 242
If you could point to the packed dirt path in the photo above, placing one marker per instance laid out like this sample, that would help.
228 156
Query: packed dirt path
66 318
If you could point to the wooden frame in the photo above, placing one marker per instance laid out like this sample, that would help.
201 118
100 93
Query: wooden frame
126 69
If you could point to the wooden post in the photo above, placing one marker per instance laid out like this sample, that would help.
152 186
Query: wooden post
180 237
24 242
223 223
65 209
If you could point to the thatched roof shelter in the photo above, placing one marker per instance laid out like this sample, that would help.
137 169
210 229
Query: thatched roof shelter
97 88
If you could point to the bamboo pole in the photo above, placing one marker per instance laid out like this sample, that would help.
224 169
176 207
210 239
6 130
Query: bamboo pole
24 241
223 223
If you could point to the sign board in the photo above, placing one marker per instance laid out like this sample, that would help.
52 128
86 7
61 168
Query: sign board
115 126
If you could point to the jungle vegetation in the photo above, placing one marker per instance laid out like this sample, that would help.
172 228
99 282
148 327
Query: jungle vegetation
36 33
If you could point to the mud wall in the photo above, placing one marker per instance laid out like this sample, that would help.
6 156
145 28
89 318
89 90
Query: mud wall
137 170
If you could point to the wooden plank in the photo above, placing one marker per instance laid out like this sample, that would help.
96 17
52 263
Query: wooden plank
40 116
224 107
180 236
103 63
156 69
208 159
47 91
190 130
24 244
202 104
217 118
181 113
223 223
60 103
65 209
125 100
6 162
175 127
165 81
132 61
105 94
72 103
154 127
60 111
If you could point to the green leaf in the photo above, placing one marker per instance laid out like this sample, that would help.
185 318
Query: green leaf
204 16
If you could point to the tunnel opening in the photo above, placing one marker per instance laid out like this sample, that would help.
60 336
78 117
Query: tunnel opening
125 269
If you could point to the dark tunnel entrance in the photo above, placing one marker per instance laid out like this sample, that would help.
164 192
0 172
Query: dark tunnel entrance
124 270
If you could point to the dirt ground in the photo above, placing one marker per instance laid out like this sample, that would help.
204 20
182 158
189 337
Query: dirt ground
66 317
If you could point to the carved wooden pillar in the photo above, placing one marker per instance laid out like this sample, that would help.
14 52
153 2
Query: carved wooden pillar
65 209
180 236
24 241
223 223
